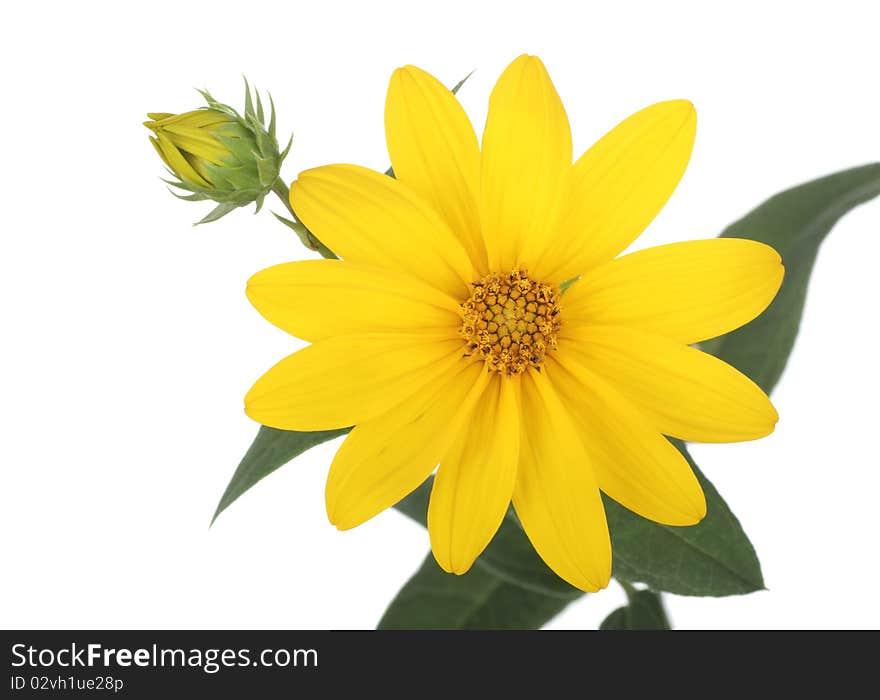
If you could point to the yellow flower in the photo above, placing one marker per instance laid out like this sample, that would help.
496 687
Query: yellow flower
444 335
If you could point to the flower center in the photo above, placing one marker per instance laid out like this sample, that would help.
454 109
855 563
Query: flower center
510 321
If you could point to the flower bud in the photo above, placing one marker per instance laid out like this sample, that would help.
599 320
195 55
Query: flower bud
216 153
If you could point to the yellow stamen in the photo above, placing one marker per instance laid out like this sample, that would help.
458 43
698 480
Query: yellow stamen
510 321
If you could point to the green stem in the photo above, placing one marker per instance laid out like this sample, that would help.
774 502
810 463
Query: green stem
627 587
308 239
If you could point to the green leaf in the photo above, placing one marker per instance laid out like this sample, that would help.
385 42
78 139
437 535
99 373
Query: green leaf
795 223
714 558
271 449
433 599
217 212
643 612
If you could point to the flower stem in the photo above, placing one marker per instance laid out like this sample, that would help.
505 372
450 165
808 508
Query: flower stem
308 239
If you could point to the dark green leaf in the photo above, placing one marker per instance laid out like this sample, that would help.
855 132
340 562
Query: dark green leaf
616 620
271 449
714 558
795 223
433 599
643 612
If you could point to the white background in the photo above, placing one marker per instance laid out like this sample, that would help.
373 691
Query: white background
128 342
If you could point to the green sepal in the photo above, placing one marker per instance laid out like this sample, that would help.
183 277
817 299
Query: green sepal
217 212
287 148
564 285
272 118
260 117
461 82
267 171
248 103
299 229
188 197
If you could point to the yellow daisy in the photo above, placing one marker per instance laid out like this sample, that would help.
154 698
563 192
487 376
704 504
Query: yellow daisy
444 334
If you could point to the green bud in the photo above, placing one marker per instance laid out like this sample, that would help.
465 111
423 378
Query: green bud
216 153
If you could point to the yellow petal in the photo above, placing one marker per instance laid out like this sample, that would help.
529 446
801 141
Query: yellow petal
316 299
685 291
525 161
348 379
368 218
180 165
198 142
434 150
202 167
384 459
684 392
633 462
556 496
475 481
198 118
619 186
159 150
